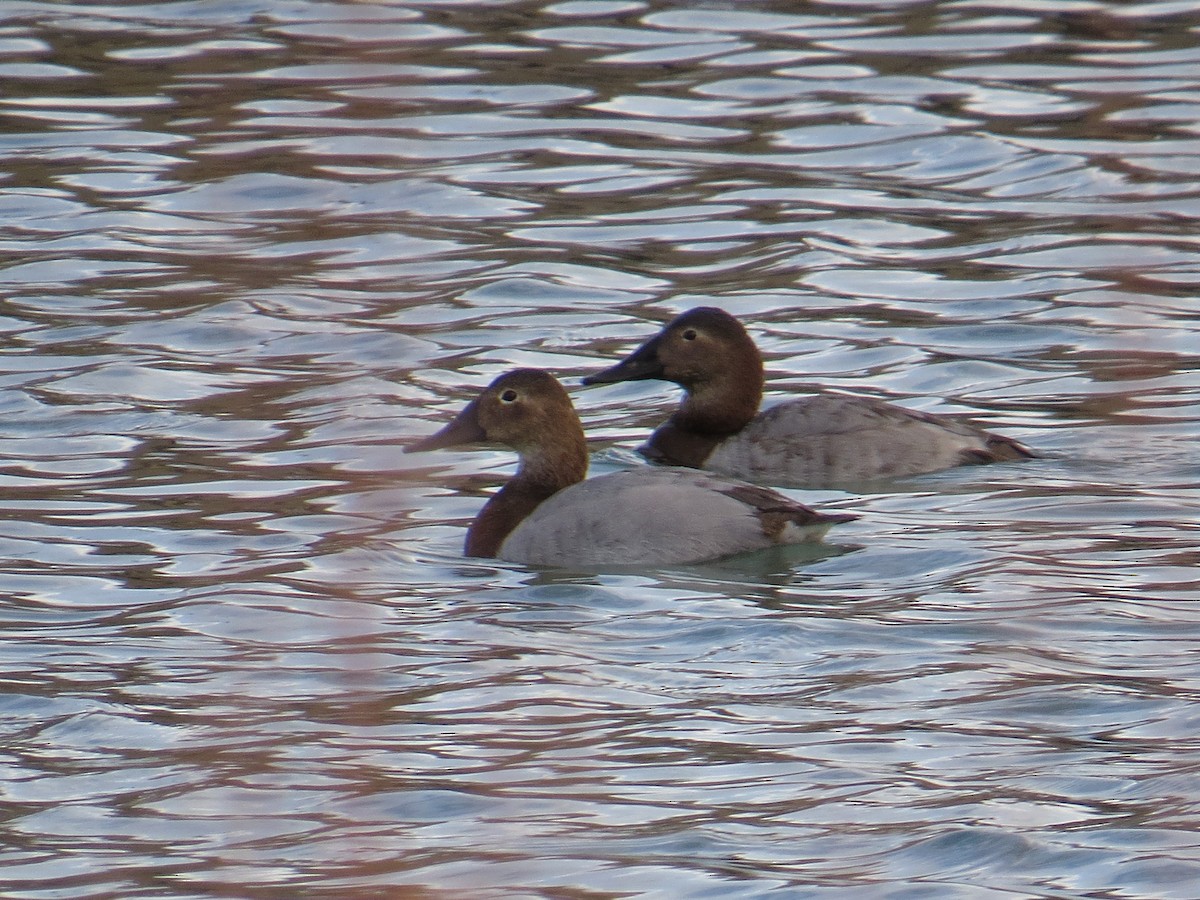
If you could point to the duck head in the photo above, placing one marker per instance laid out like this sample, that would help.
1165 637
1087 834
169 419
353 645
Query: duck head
708 353
695 347
528 410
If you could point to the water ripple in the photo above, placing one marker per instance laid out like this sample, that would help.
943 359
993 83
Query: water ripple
250 248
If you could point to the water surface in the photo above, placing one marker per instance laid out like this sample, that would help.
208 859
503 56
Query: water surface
250 247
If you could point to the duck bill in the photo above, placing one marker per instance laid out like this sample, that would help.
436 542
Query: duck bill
641 364
465 429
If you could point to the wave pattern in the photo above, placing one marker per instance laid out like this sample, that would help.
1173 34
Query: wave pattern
248 248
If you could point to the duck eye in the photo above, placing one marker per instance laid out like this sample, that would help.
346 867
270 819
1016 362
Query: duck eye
690 334
509 396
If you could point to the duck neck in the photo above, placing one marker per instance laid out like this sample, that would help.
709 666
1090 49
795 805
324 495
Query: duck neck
719 407
542 473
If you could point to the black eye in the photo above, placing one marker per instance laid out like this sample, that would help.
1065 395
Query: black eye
690 334
509 396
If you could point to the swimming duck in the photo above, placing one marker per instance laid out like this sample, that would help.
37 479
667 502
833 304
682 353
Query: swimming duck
812 441
549 515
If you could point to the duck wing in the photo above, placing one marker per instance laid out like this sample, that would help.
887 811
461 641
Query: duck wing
660 516
837 438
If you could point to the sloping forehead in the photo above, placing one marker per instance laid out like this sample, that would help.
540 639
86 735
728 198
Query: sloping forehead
710 319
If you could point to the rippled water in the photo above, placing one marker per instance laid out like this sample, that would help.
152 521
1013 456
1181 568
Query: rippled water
248 247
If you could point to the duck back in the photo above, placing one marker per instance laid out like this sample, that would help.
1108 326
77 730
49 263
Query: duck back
659 516
834 439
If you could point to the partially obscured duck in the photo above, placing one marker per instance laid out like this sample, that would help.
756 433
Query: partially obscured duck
822 439
548 515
